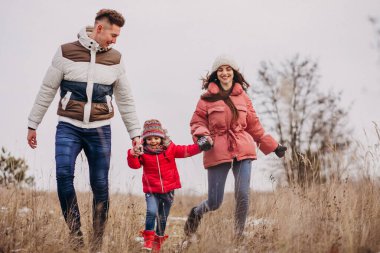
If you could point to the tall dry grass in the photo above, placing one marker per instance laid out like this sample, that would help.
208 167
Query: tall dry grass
338 216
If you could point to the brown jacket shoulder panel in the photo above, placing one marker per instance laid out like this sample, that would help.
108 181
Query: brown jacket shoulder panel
110 57
74 51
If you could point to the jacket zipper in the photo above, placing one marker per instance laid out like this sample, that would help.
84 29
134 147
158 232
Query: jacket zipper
159 173
90 87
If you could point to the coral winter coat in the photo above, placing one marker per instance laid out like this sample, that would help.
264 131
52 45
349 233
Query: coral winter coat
160 174
231 141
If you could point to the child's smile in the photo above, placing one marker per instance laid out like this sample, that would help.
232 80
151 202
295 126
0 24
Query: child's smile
153 141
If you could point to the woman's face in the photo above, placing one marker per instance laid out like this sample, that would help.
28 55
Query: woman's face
153 141
225 75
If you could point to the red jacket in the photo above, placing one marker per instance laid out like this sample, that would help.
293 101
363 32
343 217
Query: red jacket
230 141
160 174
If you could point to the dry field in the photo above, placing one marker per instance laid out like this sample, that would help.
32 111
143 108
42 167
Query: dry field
340 216
335 217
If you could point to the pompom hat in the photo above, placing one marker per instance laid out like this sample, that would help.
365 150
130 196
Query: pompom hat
224 60
153 127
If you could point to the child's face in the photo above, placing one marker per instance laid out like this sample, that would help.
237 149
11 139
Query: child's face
153 141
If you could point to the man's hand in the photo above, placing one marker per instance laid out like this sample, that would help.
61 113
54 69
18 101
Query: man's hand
32 138
137 146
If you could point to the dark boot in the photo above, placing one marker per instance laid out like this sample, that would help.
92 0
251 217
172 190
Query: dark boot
76 240
158 241
70 211
100 212
71 214
192 223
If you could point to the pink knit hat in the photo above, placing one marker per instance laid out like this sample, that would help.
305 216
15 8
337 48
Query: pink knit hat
153 127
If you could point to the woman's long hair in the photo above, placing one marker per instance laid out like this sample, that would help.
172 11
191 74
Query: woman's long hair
223 95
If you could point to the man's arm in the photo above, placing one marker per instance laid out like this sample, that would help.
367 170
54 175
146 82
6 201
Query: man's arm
126 104
45 96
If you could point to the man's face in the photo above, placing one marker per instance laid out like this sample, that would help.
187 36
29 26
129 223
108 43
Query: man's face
106 34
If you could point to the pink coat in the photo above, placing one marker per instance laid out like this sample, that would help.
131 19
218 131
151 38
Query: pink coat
236 141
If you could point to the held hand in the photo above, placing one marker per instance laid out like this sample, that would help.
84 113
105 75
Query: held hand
137 146
280 150
205 143
32 138
209 139
133 153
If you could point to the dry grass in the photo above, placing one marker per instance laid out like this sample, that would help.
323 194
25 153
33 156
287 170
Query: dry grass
338 217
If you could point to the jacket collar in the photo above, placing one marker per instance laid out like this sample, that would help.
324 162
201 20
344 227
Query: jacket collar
214 89
89 43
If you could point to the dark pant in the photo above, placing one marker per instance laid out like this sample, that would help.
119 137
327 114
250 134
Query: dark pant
157 209
217 176
96 143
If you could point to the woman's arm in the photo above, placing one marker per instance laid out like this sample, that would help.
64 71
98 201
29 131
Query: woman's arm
266 142
199 121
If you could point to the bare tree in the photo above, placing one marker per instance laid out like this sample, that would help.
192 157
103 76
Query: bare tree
376 25
311 123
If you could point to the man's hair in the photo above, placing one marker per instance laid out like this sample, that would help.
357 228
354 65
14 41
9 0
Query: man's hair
112 16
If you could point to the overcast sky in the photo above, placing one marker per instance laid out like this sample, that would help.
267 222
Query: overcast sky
168 46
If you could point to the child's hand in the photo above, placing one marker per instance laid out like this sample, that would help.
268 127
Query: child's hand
133 153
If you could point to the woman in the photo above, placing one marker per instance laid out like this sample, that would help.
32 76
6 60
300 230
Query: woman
225 115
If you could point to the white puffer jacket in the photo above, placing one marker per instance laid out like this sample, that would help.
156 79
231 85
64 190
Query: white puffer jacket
87 76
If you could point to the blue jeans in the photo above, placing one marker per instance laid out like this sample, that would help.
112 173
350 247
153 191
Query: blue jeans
96 143
157 209
217 176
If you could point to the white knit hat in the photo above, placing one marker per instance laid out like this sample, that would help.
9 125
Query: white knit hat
224 60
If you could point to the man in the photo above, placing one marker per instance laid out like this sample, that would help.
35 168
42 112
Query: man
88 72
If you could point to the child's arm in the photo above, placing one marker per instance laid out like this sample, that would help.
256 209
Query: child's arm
133 161
182 151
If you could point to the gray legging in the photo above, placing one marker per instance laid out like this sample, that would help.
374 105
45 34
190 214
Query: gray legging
217 176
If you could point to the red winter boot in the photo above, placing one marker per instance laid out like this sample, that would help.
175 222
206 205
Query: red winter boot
148 239
158 241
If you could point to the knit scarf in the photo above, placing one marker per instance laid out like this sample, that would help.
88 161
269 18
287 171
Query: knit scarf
153 151
225 96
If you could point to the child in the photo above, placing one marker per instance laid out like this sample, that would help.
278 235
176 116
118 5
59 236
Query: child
160 178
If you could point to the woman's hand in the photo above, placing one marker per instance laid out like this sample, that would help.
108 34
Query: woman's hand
205 143
280 150
210 140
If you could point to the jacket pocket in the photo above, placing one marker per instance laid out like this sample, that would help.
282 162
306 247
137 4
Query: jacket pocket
241 108
109 104
242 113
216 117
65 100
